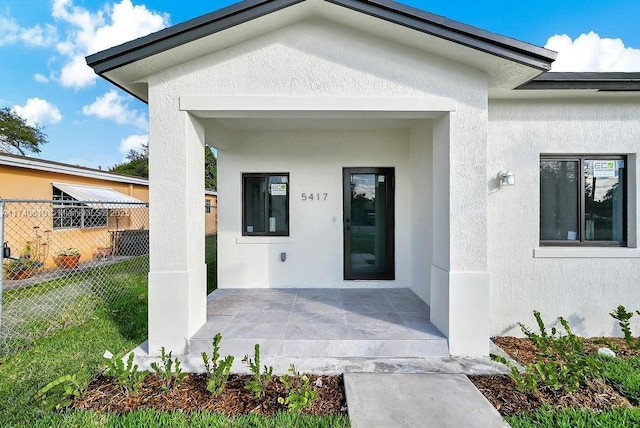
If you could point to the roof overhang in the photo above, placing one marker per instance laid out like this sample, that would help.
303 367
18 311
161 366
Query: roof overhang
507 62
578 85
25 162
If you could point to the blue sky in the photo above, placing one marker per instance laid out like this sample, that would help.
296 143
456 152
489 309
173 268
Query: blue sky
89 122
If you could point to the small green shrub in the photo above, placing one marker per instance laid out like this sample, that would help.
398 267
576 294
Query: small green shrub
259 378
301 393
562 363
168 370
217 370
60 392
623 317
128 377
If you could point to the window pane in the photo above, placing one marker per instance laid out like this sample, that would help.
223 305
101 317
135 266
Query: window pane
604 199
559 200
254 204
278 191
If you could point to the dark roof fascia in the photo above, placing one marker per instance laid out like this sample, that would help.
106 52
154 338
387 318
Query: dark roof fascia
603 82
183 33
454 31
391 11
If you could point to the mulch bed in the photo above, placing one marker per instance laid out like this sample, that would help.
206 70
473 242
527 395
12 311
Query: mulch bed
597 395
105 395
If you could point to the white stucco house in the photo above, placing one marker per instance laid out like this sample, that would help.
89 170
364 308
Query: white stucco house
360 144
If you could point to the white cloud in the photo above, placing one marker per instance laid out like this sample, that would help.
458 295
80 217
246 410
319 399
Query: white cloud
39 112
76 73
93 32
133 142
590 52
40 78
113 106
12 32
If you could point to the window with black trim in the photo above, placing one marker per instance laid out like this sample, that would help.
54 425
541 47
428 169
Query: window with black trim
207 206
265 204
68 214
583 200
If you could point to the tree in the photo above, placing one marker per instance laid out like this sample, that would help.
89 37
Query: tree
210 169
137 165
18 136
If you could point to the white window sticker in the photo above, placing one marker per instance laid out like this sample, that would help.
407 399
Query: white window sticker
249 229
278 189
272 224
604 168
572 236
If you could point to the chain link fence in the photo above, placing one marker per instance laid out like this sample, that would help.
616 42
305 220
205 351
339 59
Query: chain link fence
61 259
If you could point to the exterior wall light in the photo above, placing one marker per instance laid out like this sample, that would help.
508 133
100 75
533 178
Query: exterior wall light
507 178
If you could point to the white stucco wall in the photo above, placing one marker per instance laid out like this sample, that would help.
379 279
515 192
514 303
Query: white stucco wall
316 58
582 285
314 160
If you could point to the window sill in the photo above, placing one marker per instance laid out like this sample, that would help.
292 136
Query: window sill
580 253
264 240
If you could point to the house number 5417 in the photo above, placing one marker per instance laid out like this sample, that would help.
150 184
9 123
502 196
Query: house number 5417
314 196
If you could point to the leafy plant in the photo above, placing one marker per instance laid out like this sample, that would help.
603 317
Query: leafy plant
60 392
168 370
623 317
259 378
542 340
128 377
217 370
301 393
562 364
72 251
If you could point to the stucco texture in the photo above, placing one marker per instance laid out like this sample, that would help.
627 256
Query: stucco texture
581 289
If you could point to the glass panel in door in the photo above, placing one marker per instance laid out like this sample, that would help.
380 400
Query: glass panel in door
368 223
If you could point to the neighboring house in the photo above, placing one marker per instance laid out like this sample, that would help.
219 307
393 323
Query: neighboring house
210 211
365 140
85 227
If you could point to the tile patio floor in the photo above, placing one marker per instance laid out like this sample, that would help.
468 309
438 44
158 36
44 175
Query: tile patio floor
322 323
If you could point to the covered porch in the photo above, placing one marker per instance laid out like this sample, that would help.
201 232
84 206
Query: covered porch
320 323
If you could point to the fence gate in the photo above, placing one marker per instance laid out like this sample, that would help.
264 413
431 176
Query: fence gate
62 259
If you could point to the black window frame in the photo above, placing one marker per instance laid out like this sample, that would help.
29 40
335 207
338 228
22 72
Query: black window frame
66 207
207 206
581 201
265 176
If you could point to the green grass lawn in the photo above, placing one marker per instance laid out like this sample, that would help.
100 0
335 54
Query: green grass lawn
119 327
577 418
210 255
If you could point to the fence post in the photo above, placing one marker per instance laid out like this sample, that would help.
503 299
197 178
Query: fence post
1 258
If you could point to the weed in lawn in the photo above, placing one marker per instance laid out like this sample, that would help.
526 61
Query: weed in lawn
128 377
259 378
301 393
217 370
60 392
168 370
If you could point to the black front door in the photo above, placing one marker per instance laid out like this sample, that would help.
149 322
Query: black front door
368 223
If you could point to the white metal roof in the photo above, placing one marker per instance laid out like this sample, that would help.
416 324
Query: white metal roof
96 194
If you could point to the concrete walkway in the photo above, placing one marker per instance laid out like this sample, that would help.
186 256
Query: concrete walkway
417 400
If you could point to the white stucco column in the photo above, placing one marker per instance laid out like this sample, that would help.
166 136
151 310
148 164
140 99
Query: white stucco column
177 277
459 272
